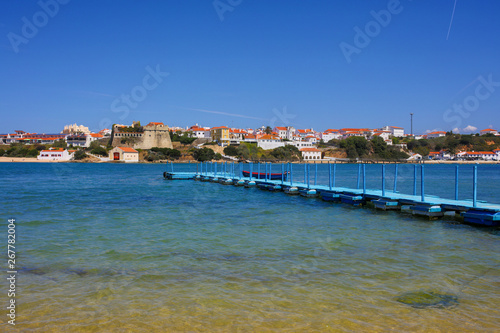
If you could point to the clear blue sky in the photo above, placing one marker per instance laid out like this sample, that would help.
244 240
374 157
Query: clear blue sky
261 56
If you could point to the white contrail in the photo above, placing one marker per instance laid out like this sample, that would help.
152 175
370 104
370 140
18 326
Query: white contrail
224 113
451 21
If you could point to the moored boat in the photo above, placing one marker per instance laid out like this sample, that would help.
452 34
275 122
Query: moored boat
263 175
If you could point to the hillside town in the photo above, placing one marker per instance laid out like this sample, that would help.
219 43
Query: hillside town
125 142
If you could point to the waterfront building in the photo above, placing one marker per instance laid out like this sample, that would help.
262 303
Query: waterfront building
154 134
125 154
310 154
56 155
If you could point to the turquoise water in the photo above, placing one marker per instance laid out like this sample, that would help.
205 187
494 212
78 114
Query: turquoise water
115 247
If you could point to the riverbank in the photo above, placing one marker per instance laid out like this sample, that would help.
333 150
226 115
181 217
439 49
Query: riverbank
34 159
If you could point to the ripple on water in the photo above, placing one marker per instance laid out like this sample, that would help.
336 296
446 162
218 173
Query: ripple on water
130 251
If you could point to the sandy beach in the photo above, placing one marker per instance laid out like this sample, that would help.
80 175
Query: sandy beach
27 159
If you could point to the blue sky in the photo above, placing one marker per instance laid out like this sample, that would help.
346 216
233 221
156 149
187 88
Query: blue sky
240 63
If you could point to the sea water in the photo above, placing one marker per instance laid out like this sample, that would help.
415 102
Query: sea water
115 247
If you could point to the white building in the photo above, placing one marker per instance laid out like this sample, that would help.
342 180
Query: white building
82 140
56 155
124 154
250 138
281 131
311 153
436 134
199 132
311 138
300 144
414 157
489 131
394 130
386 135
268 141
330 134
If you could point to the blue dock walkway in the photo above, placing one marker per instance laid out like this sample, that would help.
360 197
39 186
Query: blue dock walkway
472 211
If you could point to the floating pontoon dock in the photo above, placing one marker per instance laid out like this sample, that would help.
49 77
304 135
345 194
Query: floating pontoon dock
472 211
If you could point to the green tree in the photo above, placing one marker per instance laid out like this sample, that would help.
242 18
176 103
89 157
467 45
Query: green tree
355 146
60 144
186 140
204 154
33 152
80 155
268 130
94 144
99 151
231 151
379 146
217 156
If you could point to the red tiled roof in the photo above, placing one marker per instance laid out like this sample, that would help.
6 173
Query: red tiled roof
355 129
128 150
155 123
269 137
488 130
94 135
437 132
219 127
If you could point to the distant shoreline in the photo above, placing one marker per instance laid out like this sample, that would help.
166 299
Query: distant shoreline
35 160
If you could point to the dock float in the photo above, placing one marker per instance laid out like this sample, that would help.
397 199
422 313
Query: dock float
471 211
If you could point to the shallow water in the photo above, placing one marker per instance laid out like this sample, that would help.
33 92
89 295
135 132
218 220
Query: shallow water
114 247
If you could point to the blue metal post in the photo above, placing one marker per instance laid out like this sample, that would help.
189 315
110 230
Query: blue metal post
422 187
359 175
395 178
258 172
251 170
315 174
307 175
415 179
330 175
474 189
364 179
383 179
172 165
291 175
334 172
456 182
282 173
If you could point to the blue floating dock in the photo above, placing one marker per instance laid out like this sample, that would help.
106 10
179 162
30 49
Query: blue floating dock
473 211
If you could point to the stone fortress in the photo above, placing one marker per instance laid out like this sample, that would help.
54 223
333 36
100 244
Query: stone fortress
141 137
